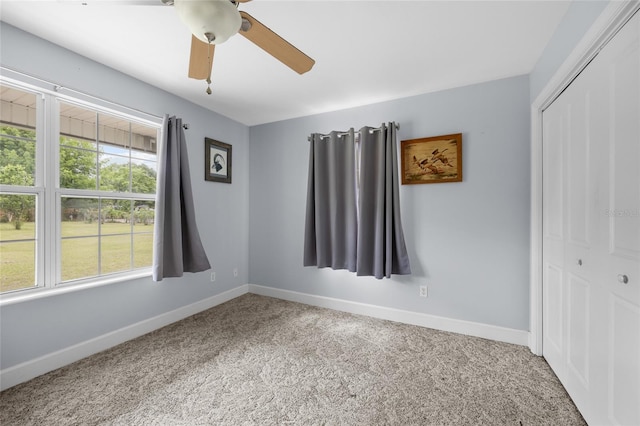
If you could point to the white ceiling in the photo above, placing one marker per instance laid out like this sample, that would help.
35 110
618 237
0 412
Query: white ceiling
365 51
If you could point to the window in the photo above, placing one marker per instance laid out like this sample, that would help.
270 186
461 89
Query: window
77 190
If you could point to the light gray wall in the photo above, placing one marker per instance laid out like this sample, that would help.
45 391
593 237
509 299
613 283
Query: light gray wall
32 329
468 241
576 22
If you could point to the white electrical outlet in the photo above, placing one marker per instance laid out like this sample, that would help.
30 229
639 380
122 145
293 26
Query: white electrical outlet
424 291
213 276
235 272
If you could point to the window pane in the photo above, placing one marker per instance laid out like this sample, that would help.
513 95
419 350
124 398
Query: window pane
77 122
143 155
17 242
114 173
122 229
78 147
79 258
116 216
79 217
114 131
77 163
143 177
115 150
143 139
142 250
17 156
18 264
126 152
144 215
17 137
116 253
18 211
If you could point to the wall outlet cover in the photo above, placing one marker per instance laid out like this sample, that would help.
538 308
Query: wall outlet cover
424 291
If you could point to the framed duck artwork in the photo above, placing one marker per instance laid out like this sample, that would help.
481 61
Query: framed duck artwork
436 159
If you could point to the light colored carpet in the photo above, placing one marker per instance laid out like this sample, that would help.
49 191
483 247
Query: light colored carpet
257 360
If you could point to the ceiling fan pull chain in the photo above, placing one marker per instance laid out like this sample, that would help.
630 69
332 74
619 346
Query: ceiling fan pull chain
210 37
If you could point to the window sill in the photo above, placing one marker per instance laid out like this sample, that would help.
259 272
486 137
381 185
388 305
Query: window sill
40 293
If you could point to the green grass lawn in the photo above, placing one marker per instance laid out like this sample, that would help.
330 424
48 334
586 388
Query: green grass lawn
81 250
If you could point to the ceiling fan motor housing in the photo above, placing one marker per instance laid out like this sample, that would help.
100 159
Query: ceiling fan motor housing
209 20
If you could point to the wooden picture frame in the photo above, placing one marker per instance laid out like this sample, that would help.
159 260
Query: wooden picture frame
436 159
217 161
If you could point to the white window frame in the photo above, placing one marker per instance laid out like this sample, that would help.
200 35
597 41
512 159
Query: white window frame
48 197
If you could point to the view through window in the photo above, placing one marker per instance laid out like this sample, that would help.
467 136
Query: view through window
19 195
101 197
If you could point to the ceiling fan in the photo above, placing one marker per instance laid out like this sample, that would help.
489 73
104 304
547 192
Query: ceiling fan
212 22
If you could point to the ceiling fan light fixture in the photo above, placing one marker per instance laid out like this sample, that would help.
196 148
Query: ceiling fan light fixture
204 18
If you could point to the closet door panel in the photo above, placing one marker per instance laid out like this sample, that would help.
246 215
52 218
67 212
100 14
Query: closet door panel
578 330
554 140
621 261
553 152
579 173
624 148
578 253
553 323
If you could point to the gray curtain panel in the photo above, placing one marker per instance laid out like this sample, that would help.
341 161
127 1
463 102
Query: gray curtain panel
381 247
353 204
177 246
331 229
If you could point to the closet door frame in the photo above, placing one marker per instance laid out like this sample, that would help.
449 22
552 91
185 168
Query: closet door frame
614 16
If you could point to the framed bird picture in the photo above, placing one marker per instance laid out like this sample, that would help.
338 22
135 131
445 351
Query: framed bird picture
435 159
217 161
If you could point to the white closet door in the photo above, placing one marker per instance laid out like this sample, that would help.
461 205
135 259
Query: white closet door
591 234
553 289
620 273
569 239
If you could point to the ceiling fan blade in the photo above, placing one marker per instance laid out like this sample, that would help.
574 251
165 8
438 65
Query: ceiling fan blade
201 59
90 3
275 45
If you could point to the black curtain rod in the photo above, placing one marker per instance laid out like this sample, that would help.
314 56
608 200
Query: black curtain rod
346 133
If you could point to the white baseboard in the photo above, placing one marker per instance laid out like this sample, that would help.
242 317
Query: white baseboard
486 331
30 369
